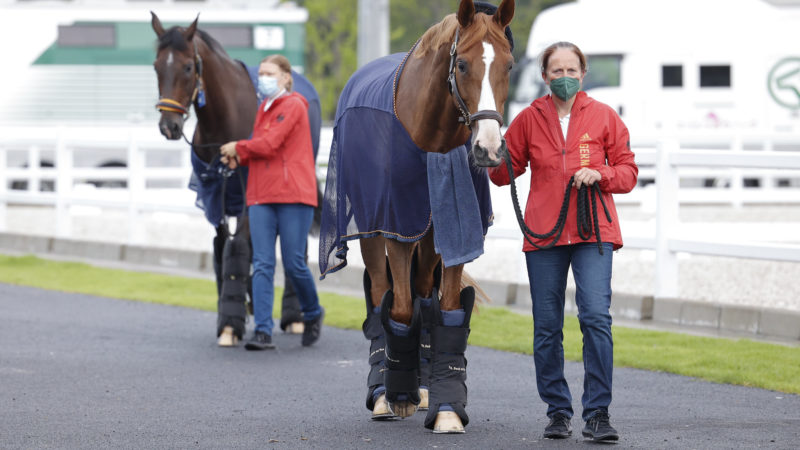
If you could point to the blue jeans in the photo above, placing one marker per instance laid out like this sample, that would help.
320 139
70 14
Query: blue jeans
292 222
547 272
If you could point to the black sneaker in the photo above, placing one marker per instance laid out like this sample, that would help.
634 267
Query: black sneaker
598 428
312 329
558 428
260 341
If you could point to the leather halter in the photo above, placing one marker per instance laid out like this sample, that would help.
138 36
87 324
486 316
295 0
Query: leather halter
170 105
466 118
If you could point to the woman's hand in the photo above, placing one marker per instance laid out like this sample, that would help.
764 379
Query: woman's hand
586 176
229 155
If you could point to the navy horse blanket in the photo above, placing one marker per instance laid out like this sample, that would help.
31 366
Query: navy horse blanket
378 179
207 179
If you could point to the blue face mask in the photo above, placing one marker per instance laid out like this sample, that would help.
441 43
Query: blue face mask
267 86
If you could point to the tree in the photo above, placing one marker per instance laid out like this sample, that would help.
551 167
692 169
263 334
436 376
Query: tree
331 40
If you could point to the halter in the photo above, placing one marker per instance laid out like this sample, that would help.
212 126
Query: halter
170 105
466 118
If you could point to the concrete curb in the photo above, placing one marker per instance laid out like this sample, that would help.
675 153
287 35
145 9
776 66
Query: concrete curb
741 320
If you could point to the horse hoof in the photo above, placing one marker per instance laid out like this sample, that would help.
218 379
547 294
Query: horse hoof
381 410
447 422
423 399
227 338
403 409
295 328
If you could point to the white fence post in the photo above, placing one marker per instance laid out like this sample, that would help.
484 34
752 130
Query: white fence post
136 187
3 189
64 180
737 180
667 184
34 165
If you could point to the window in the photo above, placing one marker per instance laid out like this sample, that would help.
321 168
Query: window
86 36
231 36
715 76
602 71
672 76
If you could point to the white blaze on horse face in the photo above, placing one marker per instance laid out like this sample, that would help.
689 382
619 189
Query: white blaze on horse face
170 58
488 135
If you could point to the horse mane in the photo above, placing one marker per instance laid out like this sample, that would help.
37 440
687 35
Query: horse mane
443 33
173 38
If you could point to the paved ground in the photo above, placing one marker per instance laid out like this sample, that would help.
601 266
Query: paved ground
78 371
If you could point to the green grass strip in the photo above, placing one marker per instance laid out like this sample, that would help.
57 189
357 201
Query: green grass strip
742 362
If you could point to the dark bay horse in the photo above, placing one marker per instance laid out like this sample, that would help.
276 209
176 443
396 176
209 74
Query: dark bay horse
194 70
401 180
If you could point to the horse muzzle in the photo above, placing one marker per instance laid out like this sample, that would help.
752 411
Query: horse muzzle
483 157
171 126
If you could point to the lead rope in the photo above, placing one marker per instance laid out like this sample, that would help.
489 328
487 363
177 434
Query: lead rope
226 173
585 217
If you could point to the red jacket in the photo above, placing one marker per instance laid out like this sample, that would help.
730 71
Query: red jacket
596 138
279 154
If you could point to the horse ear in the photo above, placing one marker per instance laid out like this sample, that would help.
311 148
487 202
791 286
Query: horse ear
157 27
504 13
189 33
466 12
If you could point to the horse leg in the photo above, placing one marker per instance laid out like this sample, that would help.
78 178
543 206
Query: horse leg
448 390
426 274
235 270
402 322
377 281
226 337
219 243
291 313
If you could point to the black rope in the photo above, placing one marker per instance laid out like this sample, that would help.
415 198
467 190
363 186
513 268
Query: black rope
586 218
191 143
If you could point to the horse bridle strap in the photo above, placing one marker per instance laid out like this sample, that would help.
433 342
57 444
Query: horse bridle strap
170 105
466 118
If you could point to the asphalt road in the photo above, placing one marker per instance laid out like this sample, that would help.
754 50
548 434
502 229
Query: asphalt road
85 372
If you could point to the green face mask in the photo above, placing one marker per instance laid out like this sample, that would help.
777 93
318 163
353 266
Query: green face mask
565 87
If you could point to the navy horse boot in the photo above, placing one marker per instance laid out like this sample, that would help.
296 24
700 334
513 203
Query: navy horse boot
401 377
425 355
373 330
448 389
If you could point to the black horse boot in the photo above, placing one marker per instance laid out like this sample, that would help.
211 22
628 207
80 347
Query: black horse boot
425 355
291 313
449 374
402 360
231 305
377 351
219 243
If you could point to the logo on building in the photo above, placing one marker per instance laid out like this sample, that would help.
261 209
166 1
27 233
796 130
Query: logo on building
784 83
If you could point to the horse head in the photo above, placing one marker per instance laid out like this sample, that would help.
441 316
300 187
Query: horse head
480 62
179 70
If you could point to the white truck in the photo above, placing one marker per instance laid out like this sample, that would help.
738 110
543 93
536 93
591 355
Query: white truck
680 67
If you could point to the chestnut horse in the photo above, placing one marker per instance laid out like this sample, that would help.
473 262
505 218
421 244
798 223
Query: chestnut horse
194 70
460 65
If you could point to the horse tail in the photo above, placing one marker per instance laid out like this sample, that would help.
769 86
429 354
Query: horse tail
480 295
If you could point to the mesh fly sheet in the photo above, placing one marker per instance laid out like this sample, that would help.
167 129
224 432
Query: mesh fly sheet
377 182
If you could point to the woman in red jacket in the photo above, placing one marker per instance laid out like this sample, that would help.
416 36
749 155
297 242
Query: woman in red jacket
281 196
560 135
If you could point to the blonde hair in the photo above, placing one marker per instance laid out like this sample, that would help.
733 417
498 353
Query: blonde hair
548 52
283 63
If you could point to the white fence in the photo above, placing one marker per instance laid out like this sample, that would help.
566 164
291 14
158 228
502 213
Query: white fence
152 161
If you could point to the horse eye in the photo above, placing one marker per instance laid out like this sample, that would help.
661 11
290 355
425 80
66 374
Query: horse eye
510 66
188 69
462 66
